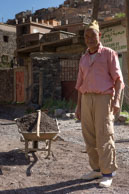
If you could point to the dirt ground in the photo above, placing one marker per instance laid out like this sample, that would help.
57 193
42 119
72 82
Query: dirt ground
61 172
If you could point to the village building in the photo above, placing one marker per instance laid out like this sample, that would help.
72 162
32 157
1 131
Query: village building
7 61
7 44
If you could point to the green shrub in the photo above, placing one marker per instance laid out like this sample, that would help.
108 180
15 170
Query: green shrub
119 15
51 104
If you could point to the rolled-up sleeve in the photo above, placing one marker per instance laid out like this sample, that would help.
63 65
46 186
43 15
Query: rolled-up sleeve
79 77
114 67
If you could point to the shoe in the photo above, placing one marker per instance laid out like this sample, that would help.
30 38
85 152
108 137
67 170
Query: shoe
105 182
92 175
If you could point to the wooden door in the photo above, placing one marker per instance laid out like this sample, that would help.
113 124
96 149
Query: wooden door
20 86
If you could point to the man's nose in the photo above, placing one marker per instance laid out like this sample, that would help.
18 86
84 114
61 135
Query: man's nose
89 38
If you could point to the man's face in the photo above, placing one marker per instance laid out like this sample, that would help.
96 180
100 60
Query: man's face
92 38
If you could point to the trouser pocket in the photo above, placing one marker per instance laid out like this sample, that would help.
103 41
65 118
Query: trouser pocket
109 124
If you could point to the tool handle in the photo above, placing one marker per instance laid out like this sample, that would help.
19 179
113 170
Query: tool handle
38 122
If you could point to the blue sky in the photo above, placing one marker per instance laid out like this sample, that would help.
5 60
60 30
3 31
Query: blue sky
8 8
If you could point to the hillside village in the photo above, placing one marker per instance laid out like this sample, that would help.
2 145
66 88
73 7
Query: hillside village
74 11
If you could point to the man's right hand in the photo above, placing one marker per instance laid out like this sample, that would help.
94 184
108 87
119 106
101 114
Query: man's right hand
78 112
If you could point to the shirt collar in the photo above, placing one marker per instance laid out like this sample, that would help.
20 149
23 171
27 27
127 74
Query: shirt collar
99 49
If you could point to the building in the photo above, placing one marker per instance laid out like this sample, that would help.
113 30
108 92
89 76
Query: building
7 44
28 39
50 42
71 27
7 54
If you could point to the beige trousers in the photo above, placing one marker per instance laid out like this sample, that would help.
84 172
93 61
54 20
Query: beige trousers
98 129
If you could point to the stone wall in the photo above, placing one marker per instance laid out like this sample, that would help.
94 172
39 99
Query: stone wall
48 72
7 85
49 67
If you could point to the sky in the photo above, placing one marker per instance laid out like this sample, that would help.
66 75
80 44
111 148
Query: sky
8 8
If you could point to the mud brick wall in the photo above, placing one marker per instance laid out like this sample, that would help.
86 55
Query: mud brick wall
7 48
6 86
49 67
53 36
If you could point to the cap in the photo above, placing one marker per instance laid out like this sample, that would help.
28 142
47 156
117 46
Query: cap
93 25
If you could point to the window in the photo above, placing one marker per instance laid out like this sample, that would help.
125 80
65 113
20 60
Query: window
24 30
5 38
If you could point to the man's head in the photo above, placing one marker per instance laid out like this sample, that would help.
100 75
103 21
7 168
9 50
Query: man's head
92 35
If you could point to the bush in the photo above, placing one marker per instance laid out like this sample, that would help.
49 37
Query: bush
50 105
119 15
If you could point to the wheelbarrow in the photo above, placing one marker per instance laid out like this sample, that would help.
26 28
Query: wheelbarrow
37 136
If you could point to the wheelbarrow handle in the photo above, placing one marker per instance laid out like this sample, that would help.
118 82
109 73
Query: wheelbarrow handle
19 130
38 122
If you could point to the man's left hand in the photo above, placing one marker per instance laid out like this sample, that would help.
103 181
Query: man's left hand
115 107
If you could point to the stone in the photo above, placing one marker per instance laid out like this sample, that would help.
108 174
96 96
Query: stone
122 118
58 112
70 115
64 116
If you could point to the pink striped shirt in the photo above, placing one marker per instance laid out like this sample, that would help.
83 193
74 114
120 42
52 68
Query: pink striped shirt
99 75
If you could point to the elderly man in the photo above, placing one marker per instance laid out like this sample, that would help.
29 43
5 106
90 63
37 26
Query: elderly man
99 86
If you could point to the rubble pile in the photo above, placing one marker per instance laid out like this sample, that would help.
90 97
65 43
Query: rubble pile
28 123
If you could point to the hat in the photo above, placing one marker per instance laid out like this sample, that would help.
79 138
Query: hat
93 25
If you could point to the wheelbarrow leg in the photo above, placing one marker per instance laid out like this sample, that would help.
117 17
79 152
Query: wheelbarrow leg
49 147
26 148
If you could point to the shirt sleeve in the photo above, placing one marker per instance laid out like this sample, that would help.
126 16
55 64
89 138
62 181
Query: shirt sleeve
79 77
114 67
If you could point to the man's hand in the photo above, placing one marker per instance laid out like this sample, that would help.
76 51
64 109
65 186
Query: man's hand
78 112
116 102
115 107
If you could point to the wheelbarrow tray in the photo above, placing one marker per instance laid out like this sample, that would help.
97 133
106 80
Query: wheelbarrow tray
43 136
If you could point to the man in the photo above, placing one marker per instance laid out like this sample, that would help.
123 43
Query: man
99 86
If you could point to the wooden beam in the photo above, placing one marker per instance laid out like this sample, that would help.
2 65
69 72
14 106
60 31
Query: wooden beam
95 9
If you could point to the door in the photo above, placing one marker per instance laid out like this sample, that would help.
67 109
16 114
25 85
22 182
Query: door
20 86
69 72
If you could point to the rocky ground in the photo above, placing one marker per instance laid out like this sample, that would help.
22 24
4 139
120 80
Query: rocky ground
61 172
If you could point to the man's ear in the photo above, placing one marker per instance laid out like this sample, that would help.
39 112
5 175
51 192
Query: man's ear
100 34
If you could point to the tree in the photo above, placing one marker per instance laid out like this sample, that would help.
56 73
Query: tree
95 9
